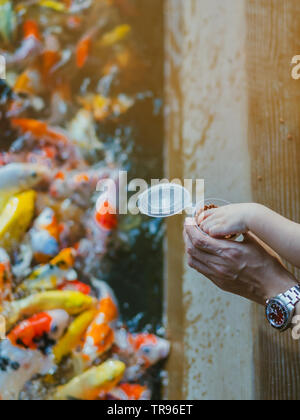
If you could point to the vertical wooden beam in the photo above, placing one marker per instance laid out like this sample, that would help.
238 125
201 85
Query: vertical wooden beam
174 169
273 38
207 138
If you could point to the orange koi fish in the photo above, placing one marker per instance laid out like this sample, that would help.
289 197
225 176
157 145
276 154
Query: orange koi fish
39 130
30 48
51 56
40 330
85 44
5 277
129 392
106 216
100 335
45 236
83 50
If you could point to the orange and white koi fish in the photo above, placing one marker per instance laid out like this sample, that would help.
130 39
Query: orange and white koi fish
46 156
78 186
45 236
100 335
43 133
129 392
76 286
17 366
5 277
140 351
106 216
40 331
50 57
30 48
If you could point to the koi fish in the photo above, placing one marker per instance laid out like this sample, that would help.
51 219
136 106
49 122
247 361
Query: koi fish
29 82
40 331
76 6
82 131
83 50
106 216
93 382
140 351
74 335
30 48
8 21
76 286
50 57
17 366
18 177
45 236
51 275
116 35
103 107
40 130
5 277
72 302
46 156
129 392
85 44
100 335
60 101
54 5
79 186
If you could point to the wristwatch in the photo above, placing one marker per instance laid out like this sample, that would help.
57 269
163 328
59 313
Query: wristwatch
280 310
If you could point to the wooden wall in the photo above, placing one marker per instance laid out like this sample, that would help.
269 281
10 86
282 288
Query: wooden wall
232 118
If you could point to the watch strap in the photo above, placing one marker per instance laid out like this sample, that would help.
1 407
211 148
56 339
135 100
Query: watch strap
291 298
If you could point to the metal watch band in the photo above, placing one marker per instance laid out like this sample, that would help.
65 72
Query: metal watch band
291 297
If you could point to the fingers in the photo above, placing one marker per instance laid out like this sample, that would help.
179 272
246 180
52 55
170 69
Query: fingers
201 241
204 215
198 266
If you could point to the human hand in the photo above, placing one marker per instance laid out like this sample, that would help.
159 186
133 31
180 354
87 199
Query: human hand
246 269
228 220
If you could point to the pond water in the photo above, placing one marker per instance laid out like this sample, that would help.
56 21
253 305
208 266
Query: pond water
100 62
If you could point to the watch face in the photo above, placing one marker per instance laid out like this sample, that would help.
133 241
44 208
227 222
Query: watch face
277 314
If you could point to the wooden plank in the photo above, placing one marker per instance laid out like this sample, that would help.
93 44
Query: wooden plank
174 169
207 137
273 29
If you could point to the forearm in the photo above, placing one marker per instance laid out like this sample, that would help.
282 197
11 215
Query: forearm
279 233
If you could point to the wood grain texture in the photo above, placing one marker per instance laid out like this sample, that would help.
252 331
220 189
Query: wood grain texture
273 38
206 132
174 169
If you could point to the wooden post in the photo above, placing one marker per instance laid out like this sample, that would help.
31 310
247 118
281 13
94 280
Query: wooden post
232 118
273 29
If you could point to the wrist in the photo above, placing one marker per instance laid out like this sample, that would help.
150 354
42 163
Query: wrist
253 214
282 282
